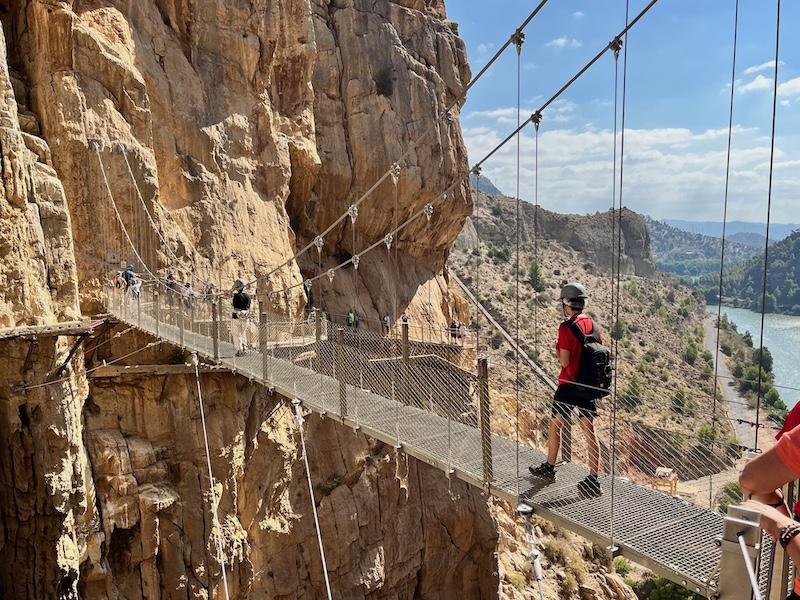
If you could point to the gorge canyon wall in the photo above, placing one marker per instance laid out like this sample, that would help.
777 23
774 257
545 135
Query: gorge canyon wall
243 129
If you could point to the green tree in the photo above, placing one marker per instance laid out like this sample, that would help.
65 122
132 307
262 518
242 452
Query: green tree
691 353
666 590
620 330
707 435
535 276
766 358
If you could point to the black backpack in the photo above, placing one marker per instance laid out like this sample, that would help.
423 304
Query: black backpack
594 368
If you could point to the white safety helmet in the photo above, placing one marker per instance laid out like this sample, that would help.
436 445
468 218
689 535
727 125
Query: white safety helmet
239 284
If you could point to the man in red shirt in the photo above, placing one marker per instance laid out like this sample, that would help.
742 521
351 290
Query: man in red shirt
568 396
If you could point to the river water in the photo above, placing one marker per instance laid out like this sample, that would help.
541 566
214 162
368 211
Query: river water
782 337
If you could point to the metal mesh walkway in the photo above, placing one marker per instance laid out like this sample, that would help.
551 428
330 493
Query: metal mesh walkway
417 397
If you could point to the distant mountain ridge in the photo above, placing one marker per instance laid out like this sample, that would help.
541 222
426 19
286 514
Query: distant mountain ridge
487 186
777 231
683 253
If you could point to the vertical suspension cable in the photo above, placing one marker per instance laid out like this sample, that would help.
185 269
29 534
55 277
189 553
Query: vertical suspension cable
769 210
300 421
615 285
214 504
724 234
477 255
537 119
519 38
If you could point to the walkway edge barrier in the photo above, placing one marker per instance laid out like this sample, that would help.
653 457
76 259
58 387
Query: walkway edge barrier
733 576
262 326
215 328
340 372
486 430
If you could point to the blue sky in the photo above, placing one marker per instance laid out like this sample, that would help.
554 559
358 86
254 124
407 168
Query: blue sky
677 107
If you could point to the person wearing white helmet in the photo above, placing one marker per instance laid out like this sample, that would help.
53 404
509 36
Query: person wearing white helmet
573 299
240 316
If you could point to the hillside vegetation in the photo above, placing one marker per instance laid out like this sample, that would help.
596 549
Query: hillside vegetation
692 254
743 283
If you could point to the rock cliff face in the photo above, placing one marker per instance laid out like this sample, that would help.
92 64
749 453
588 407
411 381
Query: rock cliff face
241 130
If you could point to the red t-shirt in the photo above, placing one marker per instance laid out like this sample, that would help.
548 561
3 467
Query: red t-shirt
792 421
788 447
568 341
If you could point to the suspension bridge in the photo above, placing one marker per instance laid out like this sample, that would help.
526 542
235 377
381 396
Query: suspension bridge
415 395
429 393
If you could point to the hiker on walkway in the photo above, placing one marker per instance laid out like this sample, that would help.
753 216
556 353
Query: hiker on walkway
135 287
127 276
351 318
172 287
239 317
386 324
187 294
568 397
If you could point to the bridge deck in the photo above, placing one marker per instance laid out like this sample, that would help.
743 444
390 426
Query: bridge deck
671 536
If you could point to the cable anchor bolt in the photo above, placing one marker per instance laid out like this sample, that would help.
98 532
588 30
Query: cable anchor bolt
616 46
536 118
428 211
518 38
352 212
388 239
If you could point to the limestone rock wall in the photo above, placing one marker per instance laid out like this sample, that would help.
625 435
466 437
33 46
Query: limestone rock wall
46 494
242 128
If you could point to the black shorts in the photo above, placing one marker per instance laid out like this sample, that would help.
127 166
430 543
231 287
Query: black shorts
567 398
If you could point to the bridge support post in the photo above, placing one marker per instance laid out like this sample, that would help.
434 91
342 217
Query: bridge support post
734 580
405 390
340 372
318 332
191 315
156 310
262 341
181 323
215 327
139 311
486 430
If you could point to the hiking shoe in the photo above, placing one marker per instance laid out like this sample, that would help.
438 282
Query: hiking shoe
240 353
544 471
590 487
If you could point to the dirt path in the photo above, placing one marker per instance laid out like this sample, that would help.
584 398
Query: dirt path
739 414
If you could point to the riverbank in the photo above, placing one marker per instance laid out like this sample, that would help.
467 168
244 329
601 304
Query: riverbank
740 415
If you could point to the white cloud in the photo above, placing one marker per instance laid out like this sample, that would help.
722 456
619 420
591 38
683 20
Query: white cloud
668 172
484 49
770 64
759 83
785 103
578 14
563 42
789 88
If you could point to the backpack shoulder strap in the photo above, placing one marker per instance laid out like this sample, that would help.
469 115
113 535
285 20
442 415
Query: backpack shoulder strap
577 331
580 334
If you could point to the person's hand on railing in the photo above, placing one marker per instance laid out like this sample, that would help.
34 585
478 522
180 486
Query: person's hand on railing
774 521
